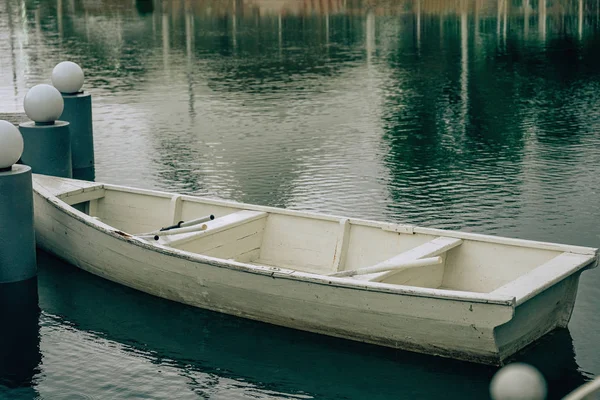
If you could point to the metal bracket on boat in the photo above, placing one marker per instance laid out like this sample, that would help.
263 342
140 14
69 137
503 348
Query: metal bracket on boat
400 228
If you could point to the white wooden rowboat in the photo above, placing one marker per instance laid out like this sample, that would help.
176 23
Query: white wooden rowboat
453 294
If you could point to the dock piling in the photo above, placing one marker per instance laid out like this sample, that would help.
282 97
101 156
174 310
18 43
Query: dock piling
47 141
17 237
68 78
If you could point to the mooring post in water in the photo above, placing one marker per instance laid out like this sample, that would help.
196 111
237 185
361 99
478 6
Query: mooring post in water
17 237
67 77
47 141
19 310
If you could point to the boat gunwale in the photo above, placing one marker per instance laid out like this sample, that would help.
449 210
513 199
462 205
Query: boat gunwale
284 273
402 228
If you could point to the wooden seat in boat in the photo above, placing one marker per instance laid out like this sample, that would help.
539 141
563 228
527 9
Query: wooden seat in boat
214 226
436 247
237 235
559 266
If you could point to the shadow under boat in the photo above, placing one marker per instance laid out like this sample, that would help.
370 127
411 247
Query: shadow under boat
274 357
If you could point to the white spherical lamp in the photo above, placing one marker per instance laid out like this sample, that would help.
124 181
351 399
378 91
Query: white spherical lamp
11 144
518 381
67 77
43 103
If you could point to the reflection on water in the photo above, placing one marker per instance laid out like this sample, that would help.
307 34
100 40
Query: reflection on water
481 115
144 6
20 355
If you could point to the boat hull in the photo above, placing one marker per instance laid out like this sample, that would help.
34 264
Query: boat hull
455 328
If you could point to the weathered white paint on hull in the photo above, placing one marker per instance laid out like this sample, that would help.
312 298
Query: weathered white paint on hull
538 316
479 327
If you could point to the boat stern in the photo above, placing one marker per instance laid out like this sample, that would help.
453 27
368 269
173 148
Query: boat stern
537 316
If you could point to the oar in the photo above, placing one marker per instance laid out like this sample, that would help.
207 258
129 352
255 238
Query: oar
180 227
422 262
193 228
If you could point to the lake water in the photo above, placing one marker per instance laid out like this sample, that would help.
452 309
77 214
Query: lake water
476 115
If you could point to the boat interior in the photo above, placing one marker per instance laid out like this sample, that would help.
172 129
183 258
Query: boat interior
365 251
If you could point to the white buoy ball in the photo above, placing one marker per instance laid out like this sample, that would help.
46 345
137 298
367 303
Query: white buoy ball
11 144
67 77
43 103
518 381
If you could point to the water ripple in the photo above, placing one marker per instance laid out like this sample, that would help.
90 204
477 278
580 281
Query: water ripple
373 112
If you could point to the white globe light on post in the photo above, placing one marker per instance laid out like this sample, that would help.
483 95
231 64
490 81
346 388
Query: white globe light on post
67 77
11 145
47 141
43 104
518 381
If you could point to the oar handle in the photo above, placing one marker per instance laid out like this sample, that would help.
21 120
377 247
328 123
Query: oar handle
197 221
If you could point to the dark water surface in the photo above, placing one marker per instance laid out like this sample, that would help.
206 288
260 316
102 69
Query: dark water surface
476 115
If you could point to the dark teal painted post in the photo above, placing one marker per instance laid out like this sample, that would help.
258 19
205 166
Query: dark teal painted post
47 141
47 148
67 78
78 112
17 236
